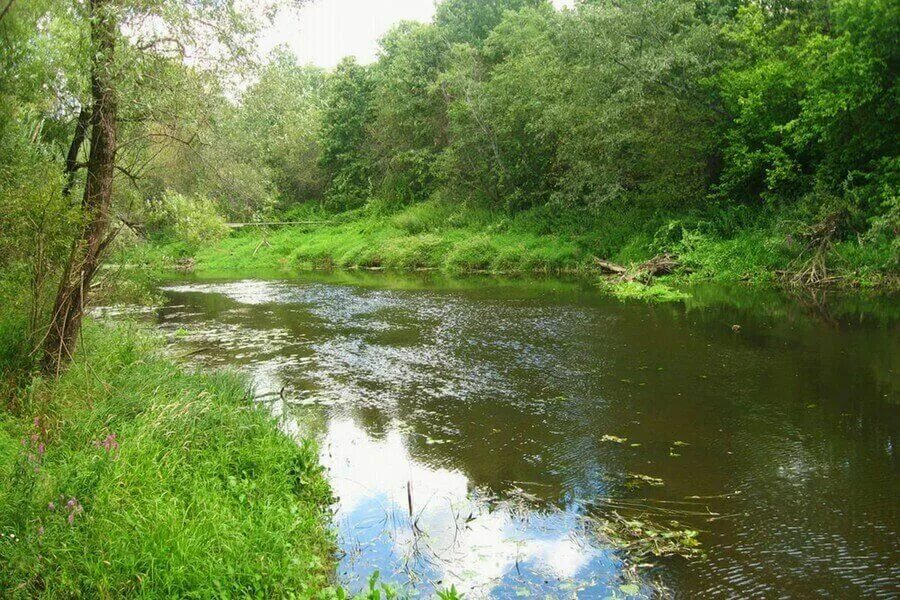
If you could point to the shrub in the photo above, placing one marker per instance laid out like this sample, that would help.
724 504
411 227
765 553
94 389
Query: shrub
193 220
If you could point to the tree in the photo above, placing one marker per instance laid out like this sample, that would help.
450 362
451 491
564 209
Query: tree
345 136
471 21
279 120
815 101
409 115
84 259
501 148
637 120
133 45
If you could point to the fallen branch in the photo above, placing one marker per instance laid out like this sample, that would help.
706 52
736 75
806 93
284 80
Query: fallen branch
197 351
810 268
664 264
278 394
610 268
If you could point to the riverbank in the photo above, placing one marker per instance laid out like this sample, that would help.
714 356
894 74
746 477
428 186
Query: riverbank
129 476
455 239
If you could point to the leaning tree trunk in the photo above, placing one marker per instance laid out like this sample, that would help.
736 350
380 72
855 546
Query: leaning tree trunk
88 247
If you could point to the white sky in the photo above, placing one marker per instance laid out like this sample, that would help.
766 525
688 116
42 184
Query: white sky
325 31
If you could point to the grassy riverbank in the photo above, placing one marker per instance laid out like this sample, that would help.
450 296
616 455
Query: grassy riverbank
128 476
727 246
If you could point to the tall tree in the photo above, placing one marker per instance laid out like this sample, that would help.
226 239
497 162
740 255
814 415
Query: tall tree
136 46
345 136
94 237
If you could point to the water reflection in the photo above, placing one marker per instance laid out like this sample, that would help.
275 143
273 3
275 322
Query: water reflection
509 414
396 513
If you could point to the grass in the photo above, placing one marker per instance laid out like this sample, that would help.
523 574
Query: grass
430 235
715 244
128 476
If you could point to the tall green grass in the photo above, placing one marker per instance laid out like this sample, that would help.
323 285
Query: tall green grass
430 235
725 244
129 477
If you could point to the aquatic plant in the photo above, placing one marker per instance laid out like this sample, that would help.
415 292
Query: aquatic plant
641 538
635 290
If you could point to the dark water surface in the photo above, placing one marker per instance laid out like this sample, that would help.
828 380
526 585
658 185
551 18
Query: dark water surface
484 405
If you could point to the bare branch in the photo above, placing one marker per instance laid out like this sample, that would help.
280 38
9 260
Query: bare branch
131 176
151 45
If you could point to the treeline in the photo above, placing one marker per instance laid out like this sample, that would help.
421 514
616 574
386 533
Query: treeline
512 104
669 105
664 103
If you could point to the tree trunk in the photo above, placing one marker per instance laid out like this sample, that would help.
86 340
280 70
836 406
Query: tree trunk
88 247
81 127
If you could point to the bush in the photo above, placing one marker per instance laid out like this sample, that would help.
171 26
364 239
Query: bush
193 220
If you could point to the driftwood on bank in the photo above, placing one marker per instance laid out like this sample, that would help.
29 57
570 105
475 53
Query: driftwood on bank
609 268
185 265
664 264
810 268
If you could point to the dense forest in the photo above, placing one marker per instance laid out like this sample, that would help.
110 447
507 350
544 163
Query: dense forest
737 139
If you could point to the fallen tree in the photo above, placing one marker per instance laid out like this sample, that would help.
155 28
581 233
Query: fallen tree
663 264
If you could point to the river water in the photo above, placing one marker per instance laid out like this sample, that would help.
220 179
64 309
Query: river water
479 433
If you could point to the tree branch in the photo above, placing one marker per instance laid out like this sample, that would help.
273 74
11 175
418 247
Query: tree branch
131 176
6 9
151 44
152 135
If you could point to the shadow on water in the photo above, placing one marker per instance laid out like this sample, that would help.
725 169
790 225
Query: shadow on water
477 431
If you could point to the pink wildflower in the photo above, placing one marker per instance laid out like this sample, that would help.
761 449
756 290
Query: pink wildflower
74 508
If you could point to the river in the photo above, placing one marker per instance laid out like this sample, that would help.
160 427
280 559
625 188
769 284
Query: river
498 435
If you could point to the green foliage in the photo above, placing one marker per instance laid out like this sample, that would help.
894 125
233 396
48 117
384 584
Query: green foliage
471 21
278 123
432 235
736 126
636 74
191 220
409 119
343 139
441 235
814 99
504 135
633 290
138 479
